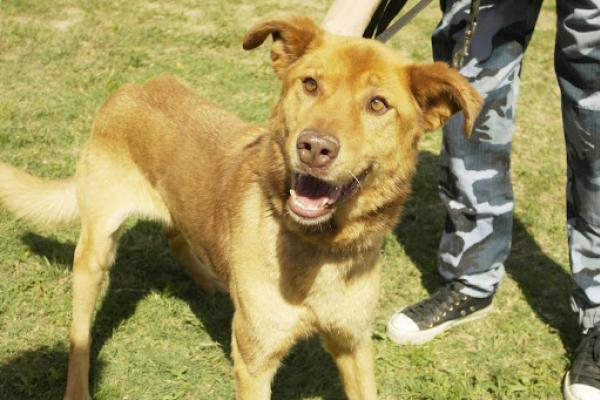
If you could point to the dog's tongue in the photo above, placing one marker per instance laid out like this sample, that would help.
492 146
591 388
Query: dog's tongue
311 197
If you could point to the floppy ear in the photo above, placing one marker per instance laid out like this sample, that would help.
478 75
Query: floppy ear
291 38
441 92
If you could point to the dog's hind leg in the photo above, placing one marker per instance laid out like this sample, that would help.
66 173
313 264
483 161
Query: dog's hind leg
109 189
94 254
200 273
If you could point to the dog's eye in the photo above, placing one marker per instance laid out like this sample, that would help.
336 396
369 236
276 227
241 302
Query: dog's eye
378 105
310 85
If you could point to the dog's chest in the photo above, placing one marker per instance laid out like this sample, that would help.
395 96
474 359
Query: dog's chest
341 301
285 281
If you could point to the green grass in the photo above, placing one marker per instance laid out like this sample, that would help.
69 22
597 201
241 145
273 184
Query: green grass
158 337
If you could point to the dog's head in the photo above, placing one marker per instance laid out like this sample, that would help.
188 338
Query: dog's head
349 120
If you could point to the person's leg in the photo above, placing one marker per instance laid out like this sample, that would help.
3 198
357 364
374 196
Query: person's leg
577 64
475 181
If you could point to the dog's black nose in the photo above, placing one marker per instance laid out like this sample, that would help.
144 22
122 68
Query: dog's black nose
316 150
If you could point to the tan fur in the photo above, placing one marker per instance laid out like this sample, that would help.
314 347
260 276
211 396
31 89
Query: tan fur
221 188
33 199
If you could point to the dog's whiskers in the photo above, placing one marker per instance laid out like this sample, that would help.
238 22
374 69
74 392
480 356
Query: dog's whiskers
356 179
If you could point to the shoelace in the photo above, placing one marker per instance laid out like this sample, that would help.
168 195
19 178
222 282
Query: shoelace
443 300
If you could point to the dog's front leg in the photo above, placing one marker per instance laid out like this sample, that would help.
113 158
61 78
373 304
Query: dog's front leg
355 363
255 360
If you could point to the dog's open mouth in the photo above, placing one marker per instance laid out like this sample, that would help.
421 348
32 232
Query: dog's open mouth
314 200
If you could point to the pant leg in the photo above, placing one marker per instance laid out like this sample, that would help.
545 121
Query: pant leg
475 183
577 64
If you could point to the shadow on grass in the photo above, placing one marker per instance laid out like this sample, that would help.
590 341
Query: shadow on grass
307 372
144 265
419 233
54 251
34 374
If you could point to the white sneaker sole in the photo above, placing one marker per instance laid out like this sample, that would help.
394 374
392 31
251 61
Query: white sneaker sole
424 336
566 391
578 391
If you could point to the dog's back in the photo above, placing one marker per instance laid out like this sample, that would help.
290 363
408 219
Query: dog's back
143 135
163 121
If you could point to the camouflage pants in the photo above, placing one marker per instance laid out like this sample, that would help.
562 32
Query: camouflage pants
475 180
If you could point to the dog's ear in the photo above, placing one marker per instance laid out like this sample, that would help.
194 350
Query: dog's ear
441 92
291 38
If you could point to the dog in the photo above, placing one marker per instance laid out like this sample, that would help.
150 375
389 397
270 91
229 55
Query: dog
288 218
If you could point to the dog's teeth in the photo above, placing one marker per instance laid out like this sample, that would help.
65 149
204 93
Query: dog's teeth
306 206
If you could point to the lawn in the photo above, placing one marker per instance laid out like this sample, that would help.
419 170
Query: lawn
156 336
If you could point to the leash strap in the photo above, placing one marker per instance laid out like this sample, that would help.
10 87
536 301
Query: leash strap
459 57
403 20
383 16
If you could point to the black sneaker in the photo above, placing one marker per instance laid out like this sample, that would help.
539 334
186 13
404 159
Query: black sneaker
446 308
582 381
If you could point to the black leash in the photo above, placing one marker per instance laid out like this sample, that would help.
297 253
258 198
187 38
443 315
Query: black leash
384 14
387 10
402 21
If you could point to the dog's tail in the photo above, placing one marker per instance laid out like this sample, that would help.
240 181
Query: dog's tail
44 203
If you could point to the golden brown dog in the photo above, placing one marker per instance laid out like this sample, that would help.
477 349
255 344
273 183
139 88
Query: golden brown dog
288 218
